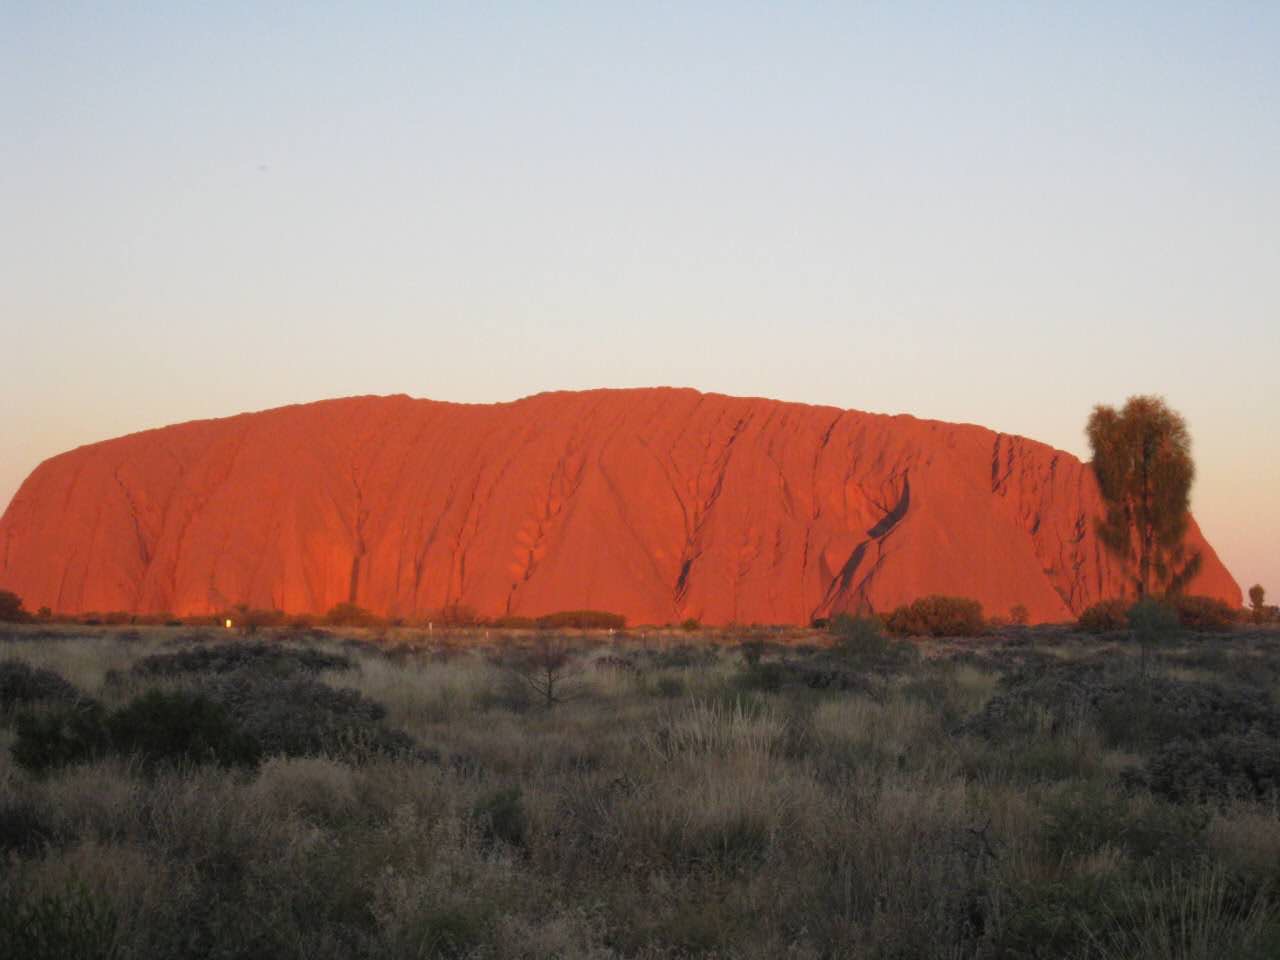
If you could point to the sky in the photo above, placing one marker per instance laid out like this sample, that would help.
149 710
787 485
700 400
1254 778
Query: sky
997 213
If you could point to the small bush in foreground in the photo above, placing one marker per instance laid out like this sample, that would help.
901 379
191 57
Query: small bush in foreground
937 616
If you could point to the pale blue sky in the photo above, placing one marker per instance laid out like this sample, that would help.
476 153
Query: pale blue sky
997 213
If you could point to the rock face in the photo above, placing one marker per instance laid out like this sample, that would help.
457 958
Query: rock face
658 504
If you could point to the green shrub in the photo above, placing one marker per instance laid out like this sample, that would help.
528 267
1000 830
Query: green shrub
1237 766
230 657
1153 622
1106 616
20 684
59 736
689 656
71 926
456 615
24 826
448 932
1129 712
1204 613
582 620
1019 615
765 676
1083 821
691 624
514 623
670 687
500 816
298 716
11 608
1050 919
350 615
938 616
861 645
180 727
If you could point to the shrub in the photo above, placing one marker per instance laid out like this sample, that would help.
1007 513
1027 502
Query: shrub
69 926
1127 712
582 620
180 727
1051 919
1203 613
1152 622
670 687
1218 769
1080 822
1019 615
11 609
456 615
937 616
350 615
230 657
500 816
858 636
250 619
298 716
764 676
862 643
691 624
20 683
514 623
1106 616
65 734
24 827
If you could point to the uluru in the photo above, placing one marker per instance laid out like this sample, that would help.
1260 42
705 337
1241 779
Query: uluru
659 504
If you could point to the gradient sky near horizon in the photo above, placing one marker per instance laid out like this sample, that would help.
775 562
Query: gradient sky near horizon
999 213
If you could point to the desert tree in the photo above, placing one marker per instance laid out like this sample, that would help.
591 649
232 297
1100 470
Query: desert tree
1257 602
548 668
11 608
1142 460
1152 622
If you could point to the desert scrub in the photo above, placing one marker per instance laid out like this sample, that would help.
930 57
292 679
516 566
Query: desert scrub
298 716
21 684
68 926
262 658
970 803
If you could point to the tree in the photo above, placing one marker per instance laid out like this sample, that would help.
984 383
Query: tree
1152 622
1142 459
547 669
1257 602
11 609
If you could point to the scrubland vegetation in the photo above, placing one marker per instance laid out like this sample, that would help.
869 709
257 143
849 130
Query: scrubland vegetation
1037 792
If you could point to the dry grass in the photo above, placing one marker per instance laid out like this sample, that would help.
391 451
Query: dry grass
669 809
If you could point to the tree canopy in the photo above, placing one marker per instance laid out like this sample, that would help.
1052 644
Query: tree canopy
1142 460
